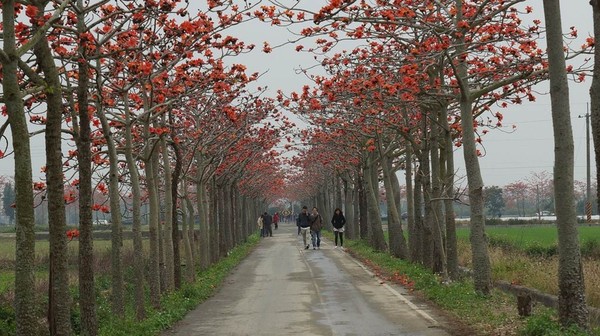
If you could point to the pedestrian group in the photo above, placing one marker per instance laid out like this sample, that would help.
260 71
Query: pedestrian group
307 223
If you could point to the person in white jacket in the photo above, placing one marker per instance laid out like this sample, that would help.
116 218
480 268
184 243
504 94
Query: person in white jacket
260 225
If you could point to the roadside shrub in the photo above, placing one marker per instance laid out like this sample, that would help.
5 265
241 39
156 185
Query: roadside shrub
495 221
546 324
501 242
591 248
7 320
537 250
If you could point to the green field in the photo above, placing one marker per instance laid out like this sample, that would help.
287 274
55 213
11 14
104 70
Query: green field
525 236
7 247
7 255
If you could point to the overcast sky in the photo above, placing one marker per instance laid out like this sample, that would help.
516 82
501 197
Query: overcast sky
509 156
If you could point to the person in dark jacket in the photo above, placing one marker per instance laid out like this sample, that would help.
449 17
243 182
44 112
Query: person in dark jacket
303 223
338 221
267 221
316 224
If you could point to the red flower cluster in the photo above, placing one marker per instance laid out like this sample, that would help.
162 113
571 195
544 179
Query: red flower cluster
73 233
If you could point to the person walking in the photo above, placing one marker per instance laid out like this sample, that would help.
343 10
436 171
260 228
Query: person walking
316 224
303 223
260 224
276 220
268 221
338 221
298 224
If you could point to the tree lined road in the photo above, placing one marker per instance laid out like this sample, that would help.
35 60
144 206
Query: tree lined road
282 289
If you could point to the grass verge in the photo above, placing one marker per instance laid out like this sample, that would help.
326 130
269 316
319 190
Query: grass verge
177 304
174 306
459 298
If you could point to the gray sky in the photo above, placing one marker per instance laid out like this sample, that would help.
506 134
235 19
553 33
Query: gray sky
509 156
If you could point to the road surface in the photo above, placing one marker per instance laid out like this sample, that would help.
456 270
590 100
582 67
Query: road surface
282 289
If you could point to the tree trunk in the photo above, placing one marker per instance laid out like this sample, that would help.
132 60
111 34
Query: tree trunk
376 238
118 304
595 95
481 261
228 217
59 304
160 223
169 201
136 195
153 227
413 241
187 216
223 229
479 251
350 227
326 211
214 225
439 250
417 253
572 307
447 173
25 296
191 233
356 209
87 287
245 211
397 196
339 200
238 215
175 237
203 242
362 207
396 235
427 243
427 219
320 202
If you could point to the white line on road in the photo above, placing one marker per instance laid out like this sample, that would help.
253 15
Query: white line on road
398 295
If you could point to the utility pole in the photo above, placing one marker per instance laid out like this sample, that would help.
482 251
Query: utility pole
588 196
537 193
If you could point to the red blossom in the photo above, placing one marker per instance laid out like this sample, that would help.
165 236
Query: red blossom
73 233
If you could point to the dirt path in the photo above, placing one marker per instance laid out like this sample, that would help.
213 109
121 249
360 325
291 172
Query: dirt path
282 289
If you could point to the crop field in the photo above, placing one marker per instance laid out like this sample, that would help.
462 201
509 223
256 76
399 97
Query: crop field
526 236
7 247
7 257
528 255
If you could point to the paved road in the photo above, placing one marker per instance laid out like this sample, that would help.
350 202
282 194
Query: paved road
282 289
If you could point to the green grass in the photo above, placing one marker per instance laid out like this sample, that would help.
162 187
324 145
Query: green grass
537 241
7 247
7 280
524 236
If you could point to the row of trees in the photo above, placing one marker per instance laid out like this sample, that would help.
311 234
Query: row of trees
153 110
141 102
429 76
530 196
